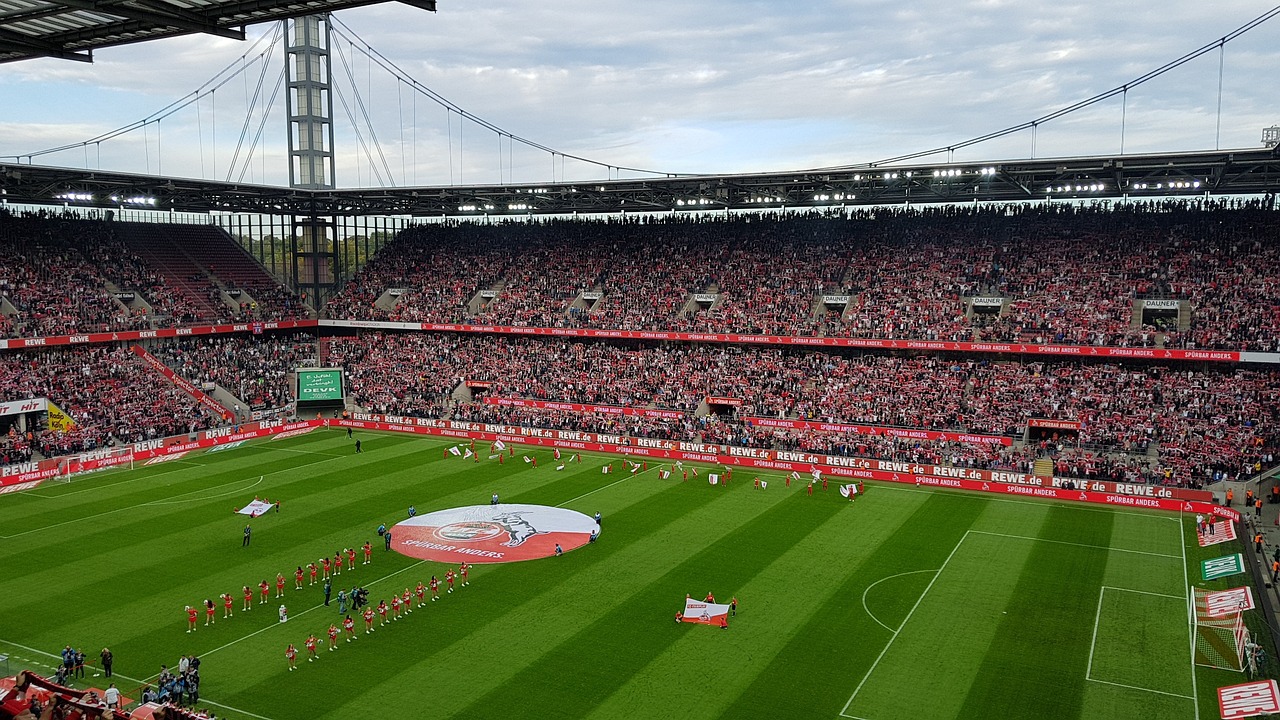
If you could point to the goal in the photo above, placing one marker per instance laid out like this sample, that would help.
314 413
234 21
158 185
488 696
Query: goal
1220 640
73 465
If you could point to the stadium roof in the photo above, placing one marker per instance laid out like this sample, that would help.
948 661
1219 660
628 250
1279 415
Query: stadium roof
1228 172
73 29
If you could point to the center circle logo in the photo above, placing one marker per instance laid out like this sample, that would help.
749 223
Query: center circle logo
492 533
469 531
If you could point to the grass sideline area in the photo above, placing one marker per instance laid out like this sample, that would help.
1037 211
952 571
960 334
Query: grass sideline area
906 603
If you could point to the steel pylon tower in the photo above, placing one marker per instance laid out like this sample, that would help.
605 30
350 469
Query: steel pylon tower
309 106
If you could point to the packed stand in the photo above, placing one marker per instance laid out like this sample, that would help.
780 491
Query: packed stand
1204 422
254 368
439 278
57 272
112 396
1069 274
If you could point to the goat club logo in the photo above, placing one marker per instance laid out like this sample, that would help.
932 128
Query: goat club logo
491 533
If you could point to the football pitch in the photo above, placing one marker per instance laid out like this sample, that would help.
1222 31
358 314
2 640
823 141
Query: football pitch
907 603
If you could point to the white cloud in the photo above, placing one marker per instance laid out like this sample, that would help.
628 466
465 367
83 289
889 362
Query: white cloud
689 87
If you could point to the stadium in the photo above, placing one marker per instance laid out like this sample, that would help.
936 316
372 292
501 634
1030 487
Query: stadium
966 432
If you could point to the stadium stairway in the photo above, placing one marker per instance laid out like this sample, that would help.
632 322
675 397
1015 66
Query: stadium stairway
1043 467
153 243
228 261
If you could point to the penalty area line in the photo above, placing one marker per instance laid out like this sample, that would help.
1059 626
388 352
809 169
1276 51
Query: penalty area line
1076 544
905 620
864 595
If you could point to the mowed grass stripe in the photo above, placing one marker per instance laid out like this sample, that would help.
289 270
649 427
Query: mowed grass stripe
150 537
106 506
165 486
840 641
465 638
1048 625
775 605
582 670
456 481
188 562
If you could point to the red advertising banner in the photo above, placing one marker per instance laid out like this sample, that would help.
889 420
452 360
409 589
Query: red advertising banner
828 342
831 342
479 383
25 476
581 408
1054 424
912 433
732 402
183 384
130 335
1251 699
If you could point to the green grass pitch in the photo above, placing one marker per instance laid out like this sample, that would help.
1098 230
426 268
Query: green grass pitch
908 603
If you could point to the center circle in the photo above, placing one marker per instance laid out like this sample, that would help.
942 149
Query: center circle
492 533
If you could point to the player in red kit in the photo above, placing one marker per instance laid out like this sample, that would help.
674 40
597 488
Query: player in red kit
421 592
192 614
324 564
448 577
297 578
311 567
406 601
333 637
311 647
395 607
463 570
435 588
226 604
368 620
248 598
264 589
337 562
382 610
368 552
351 558
279 585
209 608
291 654
349 626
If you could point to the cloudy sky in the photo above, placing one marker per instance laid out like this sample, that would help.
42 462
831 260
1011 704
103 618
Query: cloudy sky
673 86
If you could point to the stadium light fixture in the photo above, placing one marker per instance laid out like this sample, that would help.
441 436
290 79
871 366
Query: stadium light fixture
75 197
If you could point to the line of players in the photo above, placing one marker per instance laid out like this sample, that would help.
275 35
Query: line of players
325 567
400 606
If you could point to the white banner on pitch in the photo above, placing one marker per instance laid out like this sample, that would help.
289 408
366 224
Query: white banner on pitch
255 508
705 613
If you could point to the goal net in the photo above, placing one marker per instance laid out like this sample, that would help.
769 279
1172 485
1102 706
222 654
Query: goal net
1220 637
73 465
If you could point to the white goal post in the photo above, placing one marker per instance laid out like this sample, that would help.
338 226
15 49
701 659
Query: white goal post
73 465
1219 641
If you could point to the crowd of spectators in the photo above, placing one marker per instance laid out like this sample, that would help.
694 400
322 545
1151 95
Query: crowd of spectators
1069 274
1200 421
15 447
254 368
111 395
63 274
